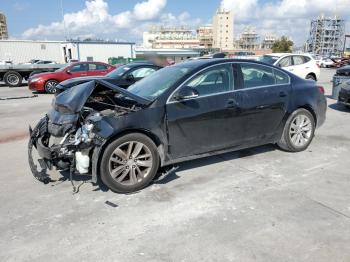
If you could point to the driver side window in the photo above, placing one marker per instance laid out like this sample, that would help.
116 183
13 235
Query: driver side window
214 80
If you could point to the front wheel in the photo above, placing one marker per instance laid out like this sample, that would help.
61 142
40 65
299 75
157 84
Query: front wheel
298 131
129 163
50 86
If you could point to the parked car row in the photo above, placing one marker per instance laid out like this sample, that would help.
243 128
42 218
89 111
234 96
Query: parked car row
302 65
180 112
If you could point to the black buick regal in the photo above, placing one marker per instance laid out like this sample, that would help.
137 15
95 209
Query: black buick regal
186 111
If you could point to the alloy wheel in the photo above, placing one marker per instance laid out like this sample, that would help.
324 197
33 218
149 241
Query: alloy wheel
130 163
50 87
300 130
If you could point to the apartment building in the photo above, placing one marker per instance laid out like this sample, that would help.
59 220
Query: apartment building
223 30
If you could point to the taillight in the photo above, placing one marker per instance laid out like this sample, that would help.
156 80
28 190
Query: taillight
321 89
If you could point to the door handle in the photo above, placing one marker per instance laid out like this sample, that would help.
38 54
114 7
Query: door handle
231 103
283 94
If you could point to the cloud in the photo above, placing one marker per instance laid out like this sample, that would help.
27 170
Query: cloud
149 9
95 19
284 17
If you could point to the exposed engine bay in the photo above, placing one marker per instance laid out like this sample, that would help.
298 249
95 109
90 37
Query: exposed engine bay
65 138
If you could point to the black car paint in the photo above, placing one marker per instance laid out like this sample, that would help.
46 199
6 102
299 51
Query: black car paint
121 81
210 125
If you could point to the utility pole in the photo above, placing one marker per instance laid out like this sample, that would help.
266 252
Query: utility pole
64 23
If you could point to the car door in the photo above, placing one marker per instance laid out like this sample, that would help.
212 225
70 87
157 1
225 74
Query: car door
78 70
135 74
96 69
262 100
207 122
301 68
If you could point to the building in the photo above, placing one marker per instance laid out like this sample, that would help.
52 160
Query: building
223 30
3 27
327 36
169 37
268 41
249 39
175 55
205 36
20 51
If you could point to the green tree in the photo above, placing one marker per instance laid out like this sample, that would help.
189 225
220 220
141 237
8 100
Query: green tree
283 45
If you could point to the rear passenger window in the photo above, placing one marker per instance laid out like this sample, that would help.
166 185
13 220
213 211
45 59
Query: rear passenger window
298 60
255 75
101 67
281 78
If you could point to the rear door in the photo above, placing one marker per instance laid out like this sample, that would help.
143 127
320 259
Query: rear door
263 100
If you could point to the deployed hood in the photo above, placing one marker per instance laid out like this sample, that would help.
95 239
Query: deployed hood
74 98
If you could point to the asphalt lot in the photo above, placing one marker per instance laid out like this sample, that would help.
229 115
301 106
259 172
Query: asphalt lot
260 204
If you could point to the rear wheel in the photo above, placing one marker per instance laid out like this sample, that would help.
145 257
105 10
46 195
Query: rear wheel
298 131
129 163
13 79
50 86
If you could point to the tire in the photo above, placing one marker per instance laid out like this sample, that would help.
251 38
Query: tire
311 77
50 86
13 79
122 170
288 142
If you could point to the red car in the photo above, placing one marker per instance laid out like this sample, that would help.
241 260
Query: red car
46 82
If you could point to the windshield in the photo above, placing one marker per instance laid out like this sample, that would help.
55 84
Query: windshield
118 72
157 83
268 59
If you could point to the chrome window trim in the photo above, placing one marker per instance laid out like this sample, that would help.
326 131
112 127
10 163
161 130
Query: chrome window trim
226 92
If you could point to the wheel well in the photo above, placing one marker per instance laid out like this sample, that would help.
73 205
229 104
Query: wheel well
309 108
153 137
313 75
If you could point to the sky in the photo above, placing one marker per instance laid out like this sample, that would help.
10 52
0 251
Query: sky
125 20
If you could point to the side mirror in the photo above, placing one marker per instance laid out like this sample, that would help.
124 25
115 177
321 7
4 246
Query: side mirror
186 92
68 71
130 78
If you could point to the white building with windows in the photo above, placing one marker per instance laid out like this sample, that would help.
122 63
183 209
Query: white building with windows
223 30
21 51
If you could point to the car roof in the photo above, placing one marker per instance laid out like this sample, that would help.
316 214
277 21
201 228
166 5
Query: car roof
202 63
136 64
285 54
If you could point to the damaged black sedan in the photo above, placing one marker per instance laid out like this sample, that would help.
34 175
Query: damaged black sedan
181 112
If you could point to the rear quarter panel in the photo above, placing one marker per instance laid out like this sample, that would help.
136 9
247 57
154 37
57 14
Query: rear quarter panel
305 94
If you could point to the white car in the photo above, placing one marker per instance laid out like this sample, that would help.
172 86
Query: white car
325 62
302 65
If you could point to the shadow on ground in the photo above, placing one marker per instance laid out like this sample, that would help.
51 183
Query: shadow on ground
339 107
168 174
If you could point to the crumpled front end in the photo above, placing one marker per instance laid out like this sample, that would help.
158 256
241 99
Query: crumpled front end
65 138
